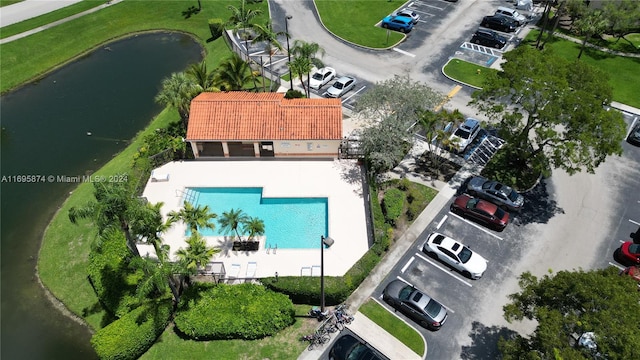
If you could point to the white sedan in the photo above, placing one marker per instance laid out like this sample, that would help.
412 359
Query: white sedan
456 255
322 77
341 86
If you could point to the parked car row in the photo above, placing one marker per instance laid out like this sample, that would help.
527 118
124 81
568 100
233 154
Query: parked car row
340 86
505 20
402 20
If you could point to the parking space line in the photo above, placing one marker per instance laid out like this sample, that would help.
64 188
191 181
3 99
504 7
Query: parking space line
423 12
408 283
476 225
420 3
444 218
622 241
362 88
616 265
404 268
404 52
635 222
451 94
446 271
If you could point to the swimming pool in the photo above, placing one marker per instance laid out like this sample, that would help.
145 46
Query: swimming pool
290 223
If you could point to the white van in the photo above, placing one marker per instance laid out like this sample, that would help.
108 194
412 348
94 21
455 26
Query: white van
512 14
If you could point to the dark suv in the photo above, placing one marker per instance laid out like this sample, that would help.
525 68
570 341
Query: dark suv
489 38
500 23
348 347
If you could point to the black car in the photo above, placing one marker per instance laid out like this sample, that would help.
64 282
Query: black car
634 135
489 38
500 23
348 347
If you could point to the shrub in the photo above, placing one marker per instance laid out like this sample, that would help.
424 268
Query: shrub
294 94
216 26
134 333
110 276
393 204
245 311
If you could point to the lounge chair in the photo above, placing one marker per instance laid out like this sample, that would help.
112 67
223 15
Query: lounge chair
155 177
234 273
251 270
305 271
315 270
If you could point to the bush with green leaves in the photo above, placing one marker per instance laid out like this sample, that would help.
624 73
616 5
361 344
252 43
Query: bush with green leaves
246 311
133 334
109 273
393 204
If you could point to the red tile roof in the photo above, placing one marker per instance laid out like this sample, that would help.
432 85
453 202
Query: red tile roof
263 116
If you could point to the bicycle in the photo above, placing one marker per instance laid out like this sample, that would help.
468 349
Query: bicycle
332 324
318 338
341 314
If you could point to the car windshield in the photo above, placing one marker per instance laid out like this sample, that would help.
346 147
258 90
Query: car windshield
317 76
405 293
471 204
465 254
462 133
634 248
513 195
499 213
338 85
361 352
432 308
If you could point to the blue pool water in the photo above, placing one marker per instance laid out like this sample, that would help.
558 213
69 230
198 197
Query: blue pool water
290 223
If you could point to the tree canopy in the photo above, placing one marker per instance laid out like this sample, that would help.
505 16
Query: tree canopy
551 111
392 107
571 303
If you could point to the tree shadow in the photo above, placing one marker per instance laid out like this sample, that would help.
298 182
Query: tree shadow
192 10
538 206
484 344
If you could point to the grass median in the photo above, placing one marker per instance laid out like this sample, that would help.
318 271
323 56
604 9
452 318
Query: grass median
355 21
466 72
393 325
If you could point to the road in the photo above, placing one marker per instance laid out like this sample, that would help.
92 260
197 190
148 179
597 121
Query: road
28 9
569 222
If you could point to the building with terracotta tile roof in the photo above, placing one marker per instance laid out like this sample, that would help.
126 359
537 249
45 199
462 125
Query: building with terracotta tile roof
245 124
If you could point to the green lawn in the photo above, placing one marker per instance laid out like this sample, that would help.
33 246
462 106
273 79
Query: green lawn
624 72
392 324
8 2
49 17
467 72
362 17
31 57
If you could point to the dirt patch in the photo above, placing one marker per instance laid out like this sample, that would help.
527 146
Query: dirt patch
439 168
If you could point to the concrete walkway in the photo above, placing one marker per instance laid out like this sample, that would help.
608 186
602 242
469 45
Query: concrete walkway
27 9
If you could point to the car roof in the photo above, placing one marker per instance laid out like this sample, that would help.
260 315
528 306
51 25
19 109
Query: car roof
404 19
486 206
449 243
469 124
344 78
325 70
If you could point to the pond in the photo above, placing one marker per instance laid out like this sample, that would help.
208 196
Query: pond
69 123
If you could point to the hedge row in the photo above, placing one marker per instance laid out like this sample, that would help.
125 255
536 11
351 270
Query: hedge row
393 204
133 334
245 311
108 273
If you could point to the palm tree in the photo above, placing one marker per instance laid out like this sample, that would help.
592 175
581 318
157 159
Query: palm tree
253 226
115 206
265 33
298 67
231 220
308 51
158 275
196 218
148 225
196 254
204 80
233 74
177 92
241 20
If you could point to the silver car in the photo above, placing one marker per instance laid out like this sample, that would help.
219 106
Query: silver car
341 86
495 192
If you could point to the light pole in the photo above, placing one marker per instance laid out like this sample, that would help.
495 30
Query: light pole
286 30
323 241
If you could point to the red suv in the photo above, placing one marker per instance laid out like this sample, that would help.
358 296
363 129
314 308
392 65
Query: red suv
628 253
480 210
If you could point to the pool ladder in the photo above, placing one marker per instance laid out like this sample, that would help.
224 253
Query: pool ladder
272 248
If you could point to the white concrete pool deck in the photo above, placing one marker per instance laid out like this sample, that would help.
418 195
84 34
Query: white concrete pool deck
340 181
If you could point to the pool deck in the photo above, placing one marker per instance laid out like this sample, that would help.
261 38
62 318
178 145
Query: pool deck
341 181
